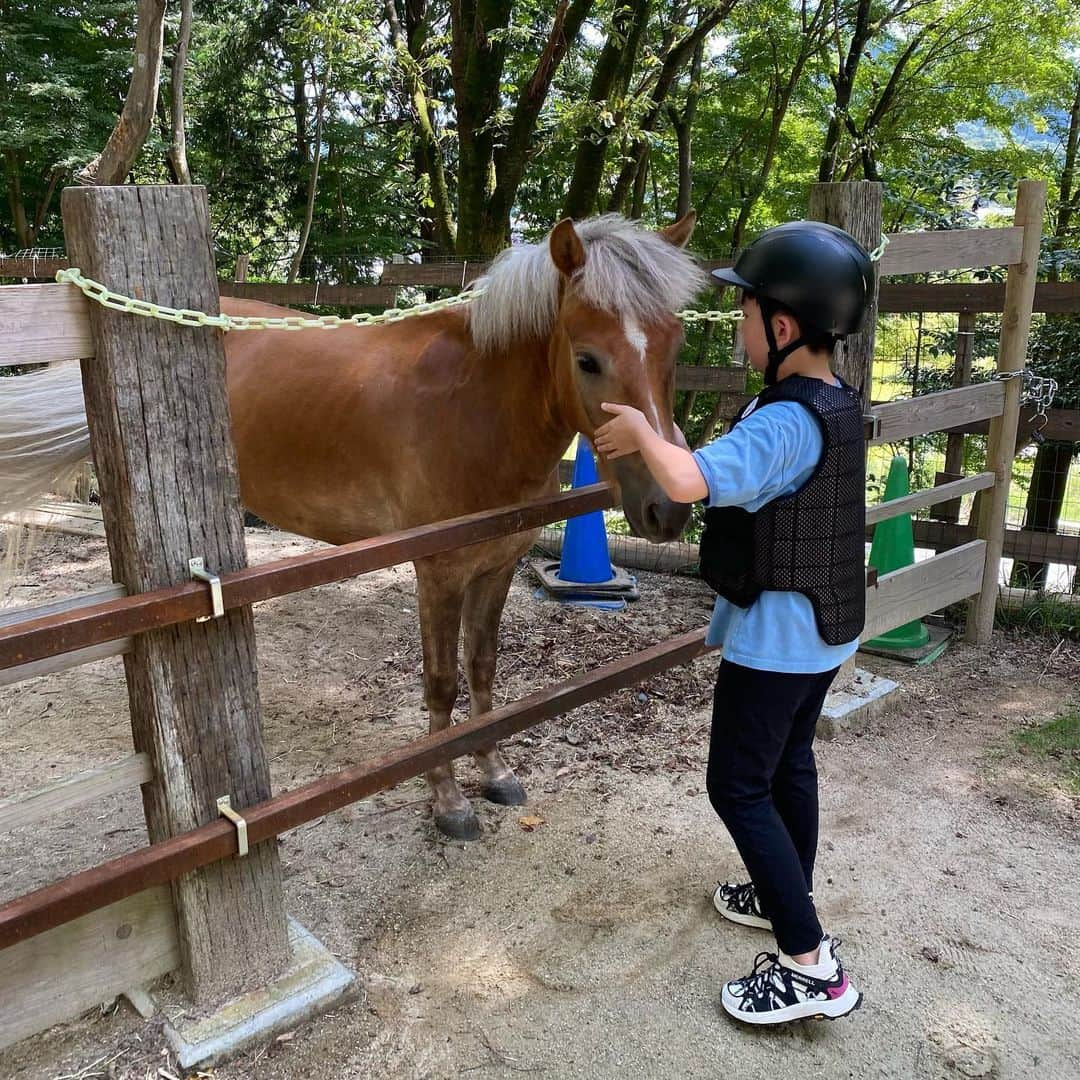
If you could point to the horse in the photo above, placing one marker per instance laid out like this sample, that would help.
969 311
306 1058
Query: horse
346 434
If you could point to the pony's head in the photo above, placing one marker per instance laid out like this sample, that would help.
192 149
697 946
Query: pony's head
604 295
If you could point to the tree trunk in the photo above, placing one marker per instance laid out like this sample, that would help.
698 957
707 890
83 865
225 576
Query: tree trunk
684 126
427 156
855 207
313 181
675 60
121 151
638 205
843 83
178 147
611 78
13 170
493 158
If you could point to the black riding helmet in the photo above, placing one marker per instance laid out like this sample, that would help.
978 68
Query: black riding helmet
820 273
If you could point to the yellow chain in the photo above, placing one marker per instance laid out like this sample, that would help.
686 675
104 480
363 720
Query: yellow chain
187 317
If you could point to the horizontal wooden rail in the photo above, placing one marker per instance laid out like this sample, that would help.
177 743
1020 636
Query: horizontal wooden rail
1051 297
1024 544
156 864
40 324
306 292
66 631
923 587
951 249
51 664
46 802
47 323
928 497
936 412
56 976
725 380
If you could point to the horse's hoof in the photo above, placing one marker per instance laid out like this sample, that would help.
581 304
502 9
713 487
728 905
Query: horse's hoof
459 824
506 792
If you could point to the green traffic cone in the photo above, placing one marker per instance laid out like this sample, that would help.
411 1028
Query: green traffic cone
893 547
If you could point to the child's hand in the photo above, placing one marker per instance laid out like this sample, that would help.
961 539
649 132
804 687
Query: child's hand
625 434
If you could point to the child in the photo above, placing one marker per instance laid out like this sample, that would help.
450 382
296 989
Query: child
783 546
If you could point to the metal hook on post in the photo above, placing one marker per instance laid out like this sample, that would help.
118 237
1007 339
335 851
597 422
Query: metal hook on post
197 568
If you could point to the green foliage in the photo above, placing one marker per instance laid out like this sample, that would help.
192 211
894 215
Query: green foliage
951 102
63 74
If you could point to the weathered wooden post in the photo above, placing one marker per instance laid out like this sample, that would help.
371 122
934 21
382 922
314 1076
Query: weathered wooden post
856 208
159 426
954 446
1001 445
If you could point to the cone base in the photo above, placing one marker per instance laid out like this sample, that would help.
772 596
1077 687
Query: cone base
939 638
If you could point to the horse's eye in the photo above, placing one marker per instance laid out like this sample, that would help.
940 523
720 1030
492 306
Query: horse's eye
589 364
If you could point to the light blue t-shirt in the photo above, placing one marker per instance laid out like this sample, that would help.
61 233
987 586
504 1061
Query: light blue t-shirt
771 452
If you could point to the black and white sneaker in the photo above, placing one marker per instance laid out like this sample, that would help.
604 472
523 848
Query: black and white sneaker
739 903
779 990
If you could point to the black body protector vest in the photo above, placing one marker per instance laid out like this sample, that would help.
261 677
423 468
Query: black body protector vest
812 541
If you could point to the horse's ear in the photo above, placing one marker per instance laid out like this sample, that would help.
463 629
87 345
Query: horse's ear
679 234
567 250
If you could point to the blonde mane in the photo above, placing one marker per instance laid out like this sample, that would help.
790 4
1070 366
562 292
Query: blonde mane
629 270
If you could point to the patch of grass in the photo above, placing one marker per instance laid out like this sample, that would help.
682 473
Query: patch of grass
1057 740
1043 614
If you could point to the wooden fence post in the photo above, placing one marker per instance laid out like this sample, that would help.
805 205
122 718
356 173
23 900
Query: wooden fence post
954 446
856 207
159 426
1001 445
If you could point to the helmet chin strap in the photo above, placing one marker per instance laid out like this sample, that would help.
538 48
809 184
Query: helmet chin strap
776 355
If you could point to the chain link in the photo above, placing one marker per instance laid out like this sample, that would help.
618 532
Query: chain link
97 292
1037 390
186 317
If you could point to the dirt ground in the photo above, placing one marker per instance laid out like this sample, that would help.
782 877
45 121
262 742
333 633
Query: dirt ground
587 947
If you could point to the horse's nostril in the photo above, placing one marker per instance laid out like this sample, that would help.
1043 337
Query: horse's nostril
653 525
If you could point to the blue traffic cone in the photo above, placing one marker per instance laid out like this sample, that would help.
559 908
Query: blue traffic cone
585 577
585 552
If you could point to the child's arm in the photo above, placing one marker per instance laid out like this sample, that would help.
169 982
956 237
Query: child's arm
772 450
673 467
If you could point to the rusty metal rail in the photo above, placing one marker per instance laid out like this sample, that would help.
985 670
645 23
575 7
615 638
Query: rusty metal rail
51 635
82 893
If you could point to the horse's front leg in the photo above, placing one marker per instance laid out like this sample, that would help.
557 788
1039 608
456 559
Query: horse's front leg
485 598
440 596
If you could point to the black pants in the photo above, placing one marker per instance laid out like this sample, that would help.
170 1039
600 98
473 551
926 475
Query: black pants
762 781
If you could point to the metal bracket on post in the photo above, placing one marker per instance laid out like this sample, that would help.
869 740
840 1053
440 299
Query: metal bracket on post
199 572
874 422
224 805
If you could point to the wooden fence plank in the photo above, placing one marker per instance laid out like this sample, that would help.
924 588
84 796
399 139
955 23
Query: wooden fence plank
923 587
64 661
306 292
40 324
1023 544
951 249
34 269
928 497
57 975
723 380
56 798
937 412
